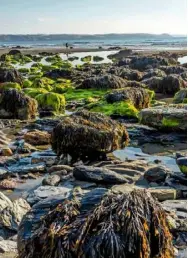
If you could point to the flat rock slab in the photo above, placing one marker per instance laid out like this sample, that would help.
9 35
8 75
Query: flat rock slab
163 194
98 175
8 246
28 168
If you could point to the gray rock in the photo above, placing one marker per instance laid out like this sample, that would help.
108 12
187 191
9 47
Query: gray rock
180 96
44 192
52 180
34 168
4 202
8 246
3 173
98 175
156 174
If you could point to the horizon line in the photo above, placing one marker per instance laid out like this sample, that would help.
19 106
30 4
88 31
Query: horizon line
94 34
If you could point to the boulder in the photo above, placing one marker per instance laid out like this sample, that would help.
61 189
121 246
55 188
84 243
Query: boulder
6 152
10 75
173 69
85 134
97 175
37 137
182 163
153 73
165 118
7 246
167 85
8 184
4 202
139 97
180 96
16 105
104 82
156 174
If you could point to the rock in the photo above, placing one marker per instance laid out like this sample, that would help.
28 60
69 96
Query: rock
71 136
153 73
12 215
3 173
6 152
162 193
4 202
48 160
156 174
97 175
173 69
104 82
180 96
52 180
139 97
167 85
8 184
16 105
182 163
24 169
10 75
37 137
60 168
8 246
165 118
44 192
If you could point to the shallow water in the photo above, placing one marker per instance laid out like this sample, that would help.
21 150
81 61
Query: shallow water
182 60
133 153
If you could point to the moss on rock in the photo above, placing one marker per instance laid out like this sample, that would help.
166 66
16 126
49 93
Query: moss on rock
32 92
10 85
51 101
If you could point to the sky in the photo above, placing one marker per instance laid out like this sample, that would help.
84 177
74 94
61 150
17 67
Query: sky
93 16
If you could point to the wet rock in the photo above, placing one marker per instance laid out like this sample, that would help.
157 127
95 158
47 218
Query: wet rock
6 152
8 246
104 82
98 175
24 169
8 184
44 192
16 105
138 96
156 174
37 137
52 180
4 202
72 135
10 75
153 73
60 168
165 118
3 173
48 160
182 163
173 69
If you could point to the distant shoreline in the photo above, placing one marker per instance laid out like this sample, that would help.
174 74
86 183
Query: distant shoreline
58 50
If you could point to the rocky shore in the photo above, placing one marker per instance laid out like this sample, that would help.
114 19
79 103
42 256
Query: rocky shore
93 159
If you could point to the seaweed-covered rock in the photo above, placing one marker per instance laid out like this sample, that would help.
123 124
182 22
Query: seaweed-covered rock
51 102
167 85
10 85
59 73
165 118
138 96
126 73
180 96
16 105
86 134
177 69
104 82
153 73
121 225
37 137
10 75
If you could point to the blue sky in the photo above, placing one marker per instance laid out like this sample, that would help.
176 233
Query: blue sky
93 16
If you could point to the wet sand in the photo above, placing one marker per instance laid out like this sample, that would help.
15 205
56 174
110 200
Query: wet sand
56 50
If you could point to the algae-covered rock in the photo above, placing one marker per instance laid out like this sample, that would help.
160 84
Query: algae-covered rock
43 83
37 137
51 102
104 82
86 59
98 58
165 118
15 104
180 96
86 134
33 92
10 85
10 75
138 96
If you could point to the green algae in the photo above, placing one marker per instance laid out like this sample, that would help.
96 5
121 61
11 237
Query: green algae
183 169
81 94
10 85
27 84
170 122
43 82
122 108
32 92
98 58
24 70
86 59
51 101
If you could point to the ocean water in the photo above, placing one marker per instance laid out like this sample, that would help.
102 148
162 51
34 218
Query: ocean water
140 43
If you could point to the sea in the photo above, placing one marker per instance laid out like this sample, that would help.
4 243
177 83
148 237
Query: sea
138 43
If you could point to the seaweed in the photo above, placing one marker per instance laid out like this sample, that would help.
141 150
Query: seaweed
120 226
